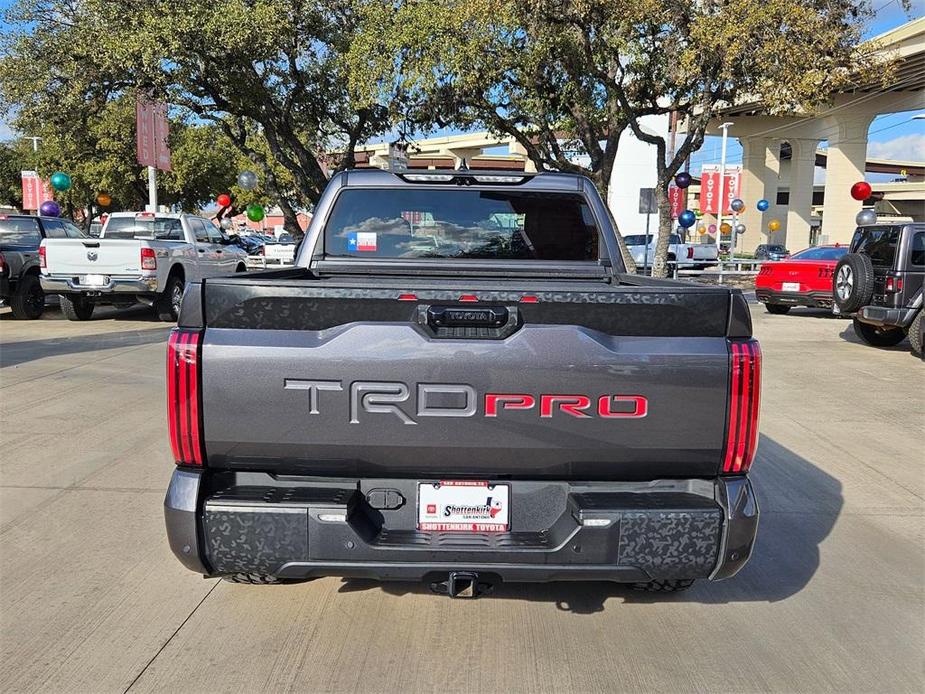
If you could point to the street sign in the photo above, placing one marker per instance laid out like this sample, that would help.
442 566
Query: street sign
151 134
35 191
398 156
709 188
647 202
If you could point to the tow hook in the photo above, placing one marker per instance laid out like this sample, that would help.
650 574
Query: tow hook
462 584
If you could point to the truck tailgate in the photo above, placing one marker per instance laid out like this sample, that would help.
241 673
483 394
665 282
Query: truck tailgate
83 256
591 382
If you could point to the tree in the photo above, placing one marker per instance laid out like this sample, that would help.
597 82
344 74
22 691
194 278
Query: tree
269 74
564 79
15 157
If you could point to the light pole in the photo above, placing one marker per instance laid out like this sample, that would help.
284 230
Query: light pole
722 198
35 142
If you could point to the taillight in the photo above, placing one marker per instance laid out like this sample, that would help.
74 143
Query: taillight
744 397
148 259
894 284
690 252
2 263
183 419
42 260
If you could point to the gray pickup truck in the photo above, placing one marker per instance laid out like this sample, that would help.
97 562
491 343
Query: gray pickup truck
459 383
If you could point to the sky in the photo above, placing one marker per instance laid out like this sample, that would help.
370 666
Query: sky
891 136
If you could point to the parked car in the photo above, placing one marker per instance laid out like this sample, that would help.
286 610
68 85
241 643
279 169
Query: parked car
804 279
20 237
771 252
880 284
488 397
140 256
686 255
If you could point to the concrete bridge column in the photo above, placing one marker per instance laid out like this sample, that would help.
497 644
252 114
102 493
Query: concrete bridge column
799 208
760 174
847 155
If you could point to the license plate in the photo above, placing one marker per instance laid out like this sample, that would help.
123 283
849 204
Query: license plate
464 506
94 280
790 287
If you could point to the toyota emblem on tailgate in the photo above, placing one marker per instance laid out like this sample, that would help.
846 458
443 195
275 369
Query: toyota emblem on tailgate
92 255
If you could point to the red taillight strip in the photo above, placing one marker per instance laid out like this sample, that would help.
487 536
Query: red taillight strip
744 402
183 397
172 408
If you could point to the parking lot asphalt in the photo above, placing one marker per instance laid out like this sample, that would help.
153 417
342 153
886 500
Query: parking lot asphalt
91 598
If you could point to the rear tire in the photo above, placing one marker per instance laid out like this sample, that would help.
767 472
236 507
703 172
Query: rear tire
777 309
168 303
878 337
915 333
28 301
853 282
667 586
76 307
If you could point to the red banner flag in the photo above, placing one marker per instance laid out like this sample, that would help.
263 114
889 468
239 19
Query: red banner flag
677 198
35 191
709 188
151 134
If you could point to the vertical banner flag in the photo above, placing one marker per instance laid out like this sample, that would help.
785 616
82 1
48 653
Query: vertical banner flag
709 188
151 133
35 191
677 199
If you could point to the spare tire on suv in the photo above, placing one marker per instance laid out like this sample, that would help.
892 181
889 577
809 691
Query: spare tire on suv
853 282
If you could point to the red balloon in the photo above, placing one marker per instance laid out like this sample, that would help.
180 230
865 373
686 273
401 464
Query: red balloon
223 200
861 190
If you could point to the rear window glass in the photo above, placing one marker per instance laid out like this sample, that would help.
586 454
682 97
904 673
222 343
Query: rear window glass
825 253
461 224
143 228
20 231
640 239
877 242
918 248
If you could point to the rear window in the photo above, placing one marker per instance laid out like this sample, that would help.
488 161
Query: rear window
640 239
461 224
825 253
167 229
20 231
877 242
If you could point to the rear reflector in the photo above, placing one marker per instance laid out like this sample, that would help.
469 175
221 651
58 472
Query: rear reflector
468 298
183 420
407 297
744 396
148 259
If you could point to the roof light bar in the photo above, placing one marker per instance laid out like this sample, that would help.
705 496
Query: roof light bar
499 179
429 178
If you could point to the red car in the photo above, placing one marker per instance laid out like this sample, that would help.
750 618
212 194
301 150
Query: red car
803 279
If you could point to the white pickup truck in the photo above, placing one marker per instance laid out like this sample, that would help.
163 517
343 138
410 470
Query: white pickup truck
139 256
686 255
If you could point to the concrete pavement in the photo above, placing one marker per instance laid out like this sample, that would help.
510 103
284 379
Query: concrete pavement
92 600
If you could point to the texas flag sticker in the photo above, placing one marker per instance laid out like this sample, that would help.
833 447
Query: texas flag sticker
361 241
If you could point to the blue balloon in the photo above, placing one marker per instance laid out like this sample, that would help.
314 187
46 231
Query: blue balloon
686 219
763 205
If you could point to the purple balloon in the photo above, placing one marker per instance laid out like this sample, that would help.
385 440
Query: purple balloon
682 180
50 208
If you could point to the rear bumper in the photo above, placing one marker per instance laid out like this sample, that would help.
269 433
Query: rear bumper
887 317
226 523
58 284
813 299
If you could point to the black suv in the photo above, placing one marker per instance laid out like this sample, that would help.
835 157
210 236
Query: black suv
20 237
879 283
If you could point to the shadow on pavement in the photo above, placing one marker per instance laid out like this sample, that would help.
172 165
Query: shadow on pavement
848 335
15 353
799 505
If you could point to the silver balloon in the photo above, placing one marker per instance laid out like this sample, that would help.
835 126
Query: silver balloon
226 223
740 228
737 205
247 180
865 218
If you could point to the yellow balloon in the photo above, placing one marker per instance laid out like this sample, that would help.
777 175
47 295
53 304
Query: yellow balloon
104 199
725 228
702 230
774 225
